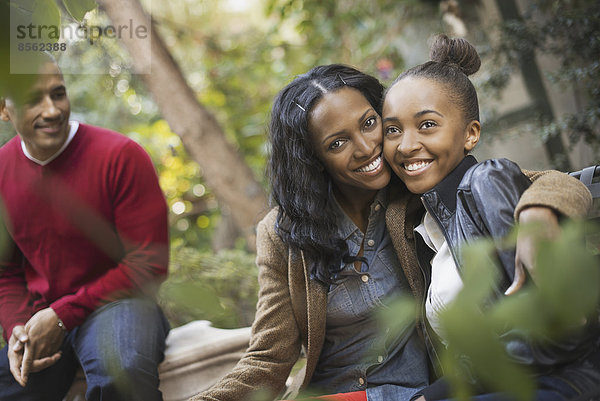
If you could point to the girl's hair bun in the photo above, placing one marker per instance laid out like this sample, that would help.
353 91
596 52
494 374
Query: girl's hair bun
457 52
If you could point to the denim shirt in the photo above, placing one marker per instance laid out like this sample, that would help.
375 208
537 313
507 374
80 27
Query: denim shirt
358 353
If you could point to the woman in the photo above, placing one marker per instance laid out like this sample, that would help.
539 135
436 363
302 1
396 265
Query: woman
431 124
326 261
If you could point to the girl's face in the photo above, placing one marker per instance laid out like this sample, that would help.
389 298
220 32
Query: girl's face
425 134
347 138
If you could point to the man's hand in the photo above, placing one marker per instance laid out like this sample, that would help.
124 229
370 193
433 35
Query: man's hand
16 346
41 350
527 241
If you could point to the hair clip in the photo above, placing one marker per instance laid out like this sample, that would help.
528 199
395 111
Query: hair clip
341 79
300 107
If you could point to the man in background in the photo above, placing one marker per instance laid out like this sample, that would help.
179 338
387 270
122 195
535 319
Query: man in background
88 248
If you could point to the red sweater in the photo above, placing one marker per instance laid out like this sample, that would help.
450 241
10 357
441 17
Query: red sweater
88 228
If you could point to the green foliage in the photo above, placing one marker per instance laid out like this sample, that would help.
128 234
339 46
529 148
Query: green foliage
78 8
566 293
399 315
46 13
473 344
368 35
194 209
220 287
566 270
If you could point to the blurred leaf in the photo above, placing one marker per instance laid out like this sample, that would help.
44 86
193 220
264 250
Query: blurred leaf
221 287
78 8
568 271
565 294
399 316
473 342
46 18
470 335
194 295
480 272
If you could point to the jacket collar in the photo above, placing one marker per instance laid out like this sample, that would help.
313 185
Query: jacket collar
446 189
346 226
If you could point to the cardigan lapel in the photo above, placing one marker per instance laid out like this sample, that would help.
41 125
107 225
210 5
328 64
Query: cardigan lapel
316 296
402 215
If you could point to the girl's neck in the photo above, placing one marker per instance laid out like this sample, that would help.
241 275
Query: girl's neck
356 205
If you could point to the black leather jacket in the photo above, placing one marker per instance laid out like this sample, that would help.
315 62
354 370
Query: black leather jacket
478 200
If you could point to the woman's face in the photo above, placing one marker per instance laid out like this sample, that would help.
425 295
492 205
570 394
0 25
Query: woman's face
347 138
426 135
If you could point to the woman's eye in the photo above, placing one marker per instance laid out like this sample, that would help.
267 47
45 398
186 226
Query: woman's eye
428 124
370 122
336 144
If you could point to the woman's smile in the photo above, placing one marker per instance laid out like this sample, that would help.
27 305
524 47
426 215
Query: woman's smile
372 168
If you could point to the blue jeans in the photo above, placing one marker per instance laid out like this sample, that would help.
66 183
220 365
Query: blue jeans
119 347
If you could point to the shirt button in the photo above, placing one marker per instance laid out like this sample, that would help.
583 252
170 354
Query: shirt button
377 207
370 242
380 359
361 381
364 278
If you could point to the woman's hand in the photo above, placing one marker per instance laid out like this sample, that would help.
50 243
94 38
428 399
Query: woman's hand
527 240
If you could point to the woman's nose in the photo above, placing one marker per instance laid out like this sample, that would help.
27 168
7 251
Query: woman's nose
364 146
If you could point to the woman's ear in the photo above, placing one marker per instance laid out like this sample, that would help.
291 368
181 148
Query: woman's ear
473 131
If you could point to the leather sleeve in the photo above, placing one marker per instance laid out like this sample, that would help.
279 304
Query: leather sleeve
496 186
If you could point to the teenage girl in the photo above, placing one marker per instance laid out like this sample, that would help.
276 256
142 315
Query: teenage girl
431 124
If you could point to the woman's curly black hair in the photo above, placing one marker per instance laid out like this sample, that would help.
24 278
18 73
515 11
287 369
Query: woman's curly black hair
300 186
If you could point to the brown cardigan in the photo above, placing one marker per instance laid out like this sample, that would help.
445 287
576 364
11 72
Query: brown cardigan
291 308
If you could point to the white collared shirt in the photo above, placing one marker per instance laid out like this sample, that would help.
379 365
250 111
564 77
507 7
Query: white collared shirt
74 125
446 282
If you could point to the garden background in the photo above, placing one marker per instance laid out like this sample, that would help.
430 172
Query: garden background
203 110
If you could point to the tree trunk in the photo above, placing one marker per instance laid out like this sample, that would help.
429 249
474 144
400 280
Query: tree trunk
225 170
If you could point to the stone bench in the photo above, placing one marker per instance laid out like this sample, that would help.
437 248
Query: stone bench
197 355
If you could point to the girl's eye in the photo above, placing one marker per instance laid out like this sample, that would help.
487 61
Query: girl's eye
371 121
428 124
392 130
336 144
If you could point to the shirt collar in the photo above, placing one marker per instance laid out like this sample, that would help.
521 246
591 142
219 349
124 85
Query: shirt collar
431 232
74 125
346 226
446 189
